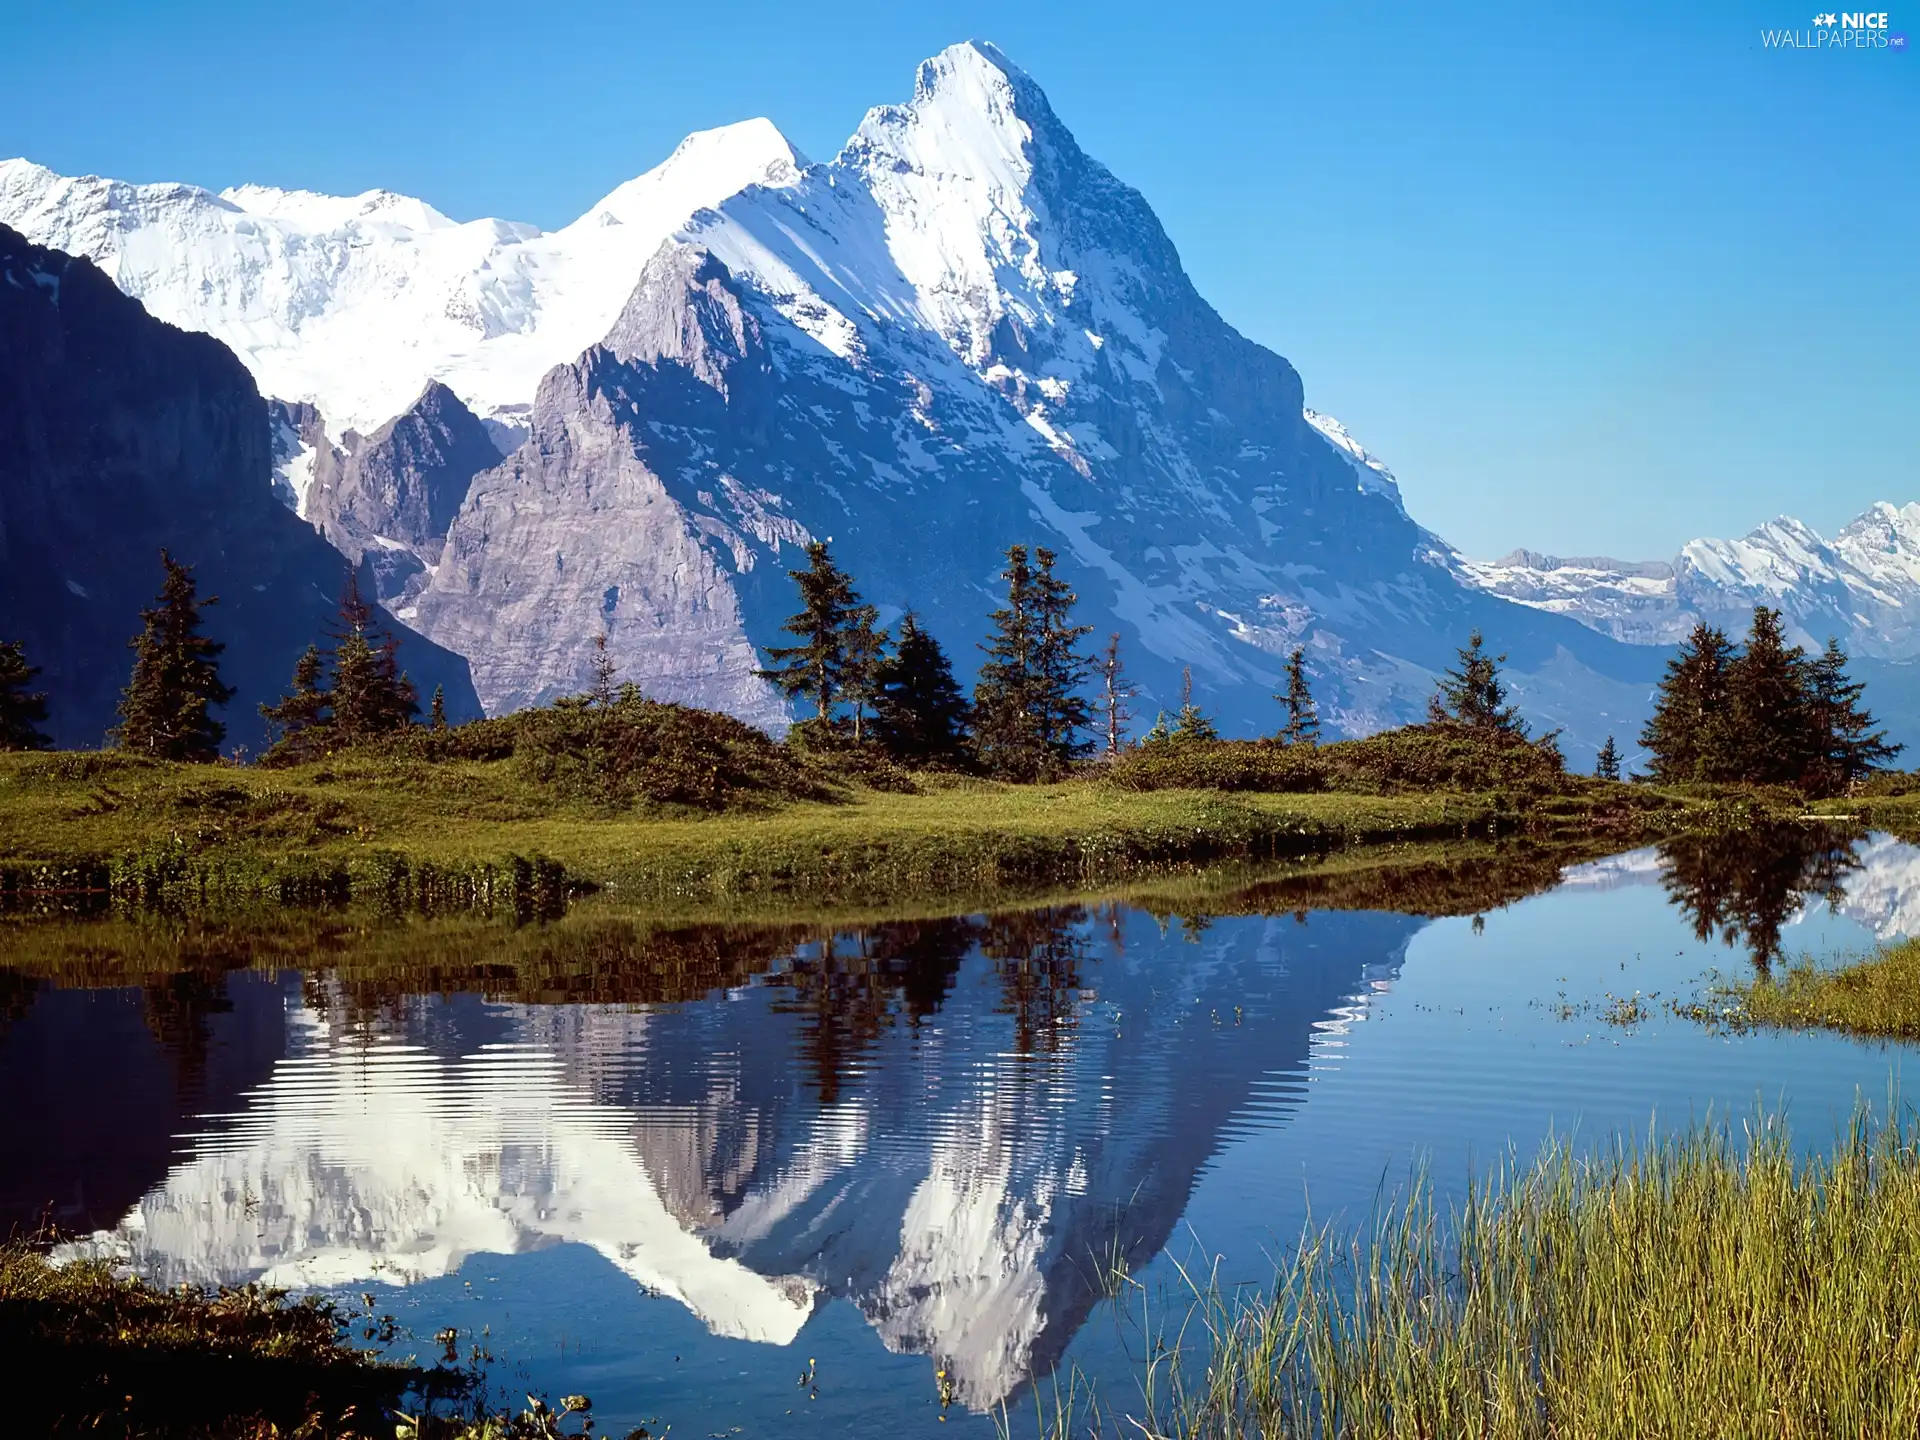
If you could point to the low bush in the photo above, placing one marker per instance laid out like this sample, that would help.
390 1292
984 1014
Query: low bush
1414 758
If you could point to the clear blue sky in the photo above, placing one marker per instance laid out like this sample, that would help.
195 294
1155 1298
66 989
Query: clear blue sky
1589 277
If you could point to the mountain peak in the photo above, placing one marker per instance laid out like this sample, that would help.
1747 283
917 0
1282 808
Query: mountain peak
705 167
974 113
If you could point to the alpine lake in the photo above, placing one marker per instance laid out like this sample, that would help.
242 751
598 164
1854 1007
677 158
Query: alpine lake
873 1178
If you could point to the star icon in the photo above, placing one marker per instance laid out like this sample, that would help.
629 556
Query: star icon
1829 19
1818 20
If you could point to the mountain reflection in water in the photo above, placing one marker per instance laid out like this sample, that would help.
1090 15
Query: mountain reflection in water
954 1125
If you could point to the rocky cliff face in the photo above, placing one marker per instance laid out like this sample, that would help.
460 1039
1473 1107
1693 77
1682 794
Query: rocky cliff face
120 435
388 502
961 333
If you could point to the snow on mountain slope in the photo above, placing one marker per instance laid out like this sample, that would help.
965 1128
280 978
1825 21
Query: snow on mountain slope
353 303
1862 587
961 333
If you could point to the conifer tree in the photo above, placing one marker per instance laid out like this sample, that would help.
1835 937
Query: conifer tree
1061 711
1115 691
1607 765
165 711
1842 734
303 707
1005 732
1192 722
919 712
438 714
601 692
22 709
1303 716
369 696
1687 739
1769 739
1474 696
864 652
817 667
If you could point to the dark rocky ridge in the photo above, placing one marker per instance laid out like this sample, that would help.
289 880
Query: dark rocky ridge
120 435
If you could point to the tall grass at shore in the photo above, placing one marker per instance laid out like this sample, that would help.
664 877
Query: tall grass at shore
1699 1285
1878 996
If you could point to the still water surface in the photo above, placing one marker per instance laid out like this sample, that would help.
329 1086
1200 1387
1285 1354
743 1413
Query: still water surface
909 1150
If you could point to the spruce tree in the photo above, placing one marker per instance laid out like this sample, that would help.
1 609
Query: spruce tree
165 711
22 709
1842 734
295 716
1192 722
1607 765
1061 711
919 712
1474 696
602 690
1115 691
1769 737
816 668
1687 740
1303 716
864 652
369 696
1006 734
438 714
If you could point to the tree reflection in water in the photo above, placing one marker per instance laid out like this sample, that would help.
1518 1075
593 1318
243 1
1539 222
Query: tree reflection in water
1744 885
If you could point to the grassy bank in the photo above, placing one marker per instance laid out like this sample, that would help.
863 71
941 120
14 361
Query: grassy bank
1699 1286
1878 995
442 832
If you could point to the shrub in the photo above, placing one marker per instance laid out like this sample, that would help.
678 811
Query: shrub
1415 757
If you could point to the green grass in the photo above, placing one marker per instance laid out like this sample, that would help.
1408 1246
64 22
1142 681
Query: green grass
1698 1286
1877 996
380 821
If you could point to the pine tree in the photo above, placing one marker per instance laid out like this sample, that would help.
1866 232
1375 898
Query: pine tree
1115 691
1473 694
1192 722
1686 739
1768 730
1061 712
303 707
1842 736
369 696
1607 765
601 691
1005 732
817 667
437 716
864 652
1303 716
919 712
22 710
165 711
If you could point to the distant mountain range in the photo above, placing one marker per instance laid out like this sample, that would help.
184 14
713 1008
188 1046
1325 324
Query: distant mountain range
959 333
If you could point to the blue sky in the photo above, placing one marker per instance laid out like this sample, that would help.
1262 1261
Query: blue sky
1590 278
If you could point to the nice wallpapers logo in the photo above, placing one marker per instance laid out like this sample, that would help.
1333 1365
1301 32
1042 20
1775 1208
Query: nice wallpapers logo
1843 30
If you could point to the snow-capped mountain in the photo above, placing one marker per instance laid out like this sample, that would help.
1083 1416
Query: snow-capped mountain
960 333
1862 587
353 303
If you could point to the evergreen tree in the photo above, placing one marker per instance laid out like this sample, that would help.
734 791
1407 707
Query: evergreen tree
1303 716
1115 691
1005 733
438 714
1769 737
165 711
864 652
1061 711
303 707
22 710
1473 694
369 696
1845 743
1192 722
1607 766
601 691
817 667
919 712
1687 737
